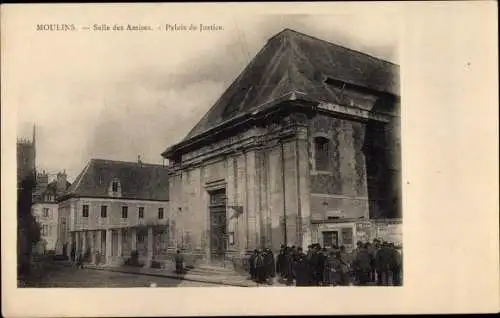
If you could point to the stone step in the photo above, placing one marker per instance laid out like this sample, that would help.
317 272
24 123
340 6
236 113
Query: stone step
212 272
215 268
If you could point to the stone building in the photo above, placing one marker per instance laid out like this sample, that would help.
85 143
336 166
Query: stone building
26 158
302 147
113 208
45 209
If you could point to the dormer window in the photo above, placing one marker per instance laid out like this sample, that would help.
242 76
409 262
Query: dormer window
115 188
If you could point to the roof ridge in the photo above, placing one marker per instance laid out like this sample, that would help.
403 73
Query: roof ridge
225 91
80 177
335 44
127 162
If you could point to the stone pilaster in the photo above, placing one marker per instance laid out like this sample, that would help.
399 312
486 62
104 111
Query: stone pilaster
92 245
253 218
304 188
133 239
98 242
77 243
119 247
231 200
150 247
109 237
70 245
84 242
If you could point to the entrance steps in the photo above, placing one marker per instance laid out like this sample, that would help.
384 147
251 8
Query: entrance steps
215 270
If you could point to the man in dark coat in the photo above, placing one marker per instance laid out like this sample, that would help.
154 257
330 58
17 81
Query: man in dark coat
73 255
299 256
301 271
269 265
355 252
260 267
252 267
326 280
362 265
395 265
320 266
179 262
383 258
371 250
289 266
375 250
316 265
280 262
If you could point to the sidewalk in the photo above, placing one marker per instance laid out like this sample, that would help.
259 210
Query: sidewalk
216 279
202 274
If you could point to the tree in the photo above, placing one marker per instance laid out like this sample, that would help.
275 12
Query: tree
28 231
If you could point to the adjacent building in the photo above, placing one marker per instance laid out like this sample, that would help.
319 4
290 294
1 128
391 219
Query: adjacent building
26 158
45 208
113 208
304 146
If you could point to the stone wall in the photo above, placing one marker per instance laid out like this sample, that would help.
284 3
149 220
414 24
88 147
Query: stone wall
252 174
365 167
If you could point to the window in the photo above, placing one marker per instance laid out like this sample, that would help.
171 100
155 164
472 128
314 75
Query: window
330 238
347 236
85 212
141 213
140 238
124 212
160 213
44 230
45 212
218 197
322 153
104 211
114 186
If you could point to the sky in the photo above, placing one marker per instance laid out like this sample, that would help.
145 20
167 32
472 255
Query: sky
118 95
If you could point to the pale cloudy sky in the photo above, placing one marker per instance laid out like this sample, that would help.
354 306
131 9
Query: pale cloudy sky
117 95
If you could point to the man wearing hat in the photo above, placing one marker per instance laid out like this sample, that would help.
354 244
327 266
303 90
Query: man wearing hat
359 247
280 262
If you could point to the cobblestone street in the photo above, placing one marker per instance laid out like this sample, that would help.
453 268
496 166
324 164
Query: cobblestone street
59 276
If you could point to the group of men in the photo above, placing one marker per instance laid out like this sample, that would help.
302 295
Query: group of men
370 263
262 265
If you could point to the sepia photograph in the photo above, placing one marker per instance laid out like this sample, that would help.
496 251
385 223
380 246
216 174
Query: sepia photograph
159 146
290 178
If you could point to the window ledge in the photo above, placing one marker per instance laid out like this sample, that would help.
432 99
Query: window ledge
321 172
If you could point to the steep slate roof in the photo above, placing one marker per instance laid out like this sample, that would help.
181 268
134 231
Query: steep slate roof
138 181
50 189
293 62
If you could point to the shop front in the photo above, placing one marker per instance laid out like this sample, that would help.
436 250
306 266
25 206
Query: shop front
329 233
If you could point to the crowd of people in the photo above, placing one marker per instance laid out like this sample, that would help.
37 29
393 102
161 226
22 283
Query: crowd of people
377 263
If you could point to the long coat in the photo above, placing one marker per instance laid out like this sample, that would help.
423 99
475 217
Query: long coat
301 270
280 262
269 263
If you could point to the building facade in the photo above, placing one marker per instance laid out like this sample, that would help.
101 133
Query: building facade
26 158
303 147
45 209
114 208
